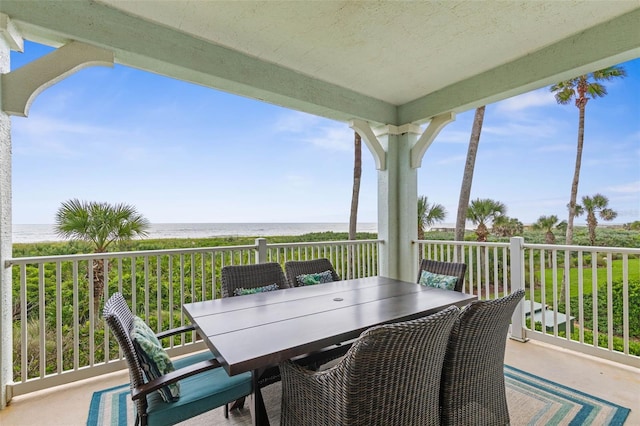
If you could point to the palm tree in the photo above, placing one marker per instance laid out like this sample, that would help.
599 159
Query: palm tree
429 214
505 226
100 224
357 173
581 89
467 177
598 204
483 211
546 223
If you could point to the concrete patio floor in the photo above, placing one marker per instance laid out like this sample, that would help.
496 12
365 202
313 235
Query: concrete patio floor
68 405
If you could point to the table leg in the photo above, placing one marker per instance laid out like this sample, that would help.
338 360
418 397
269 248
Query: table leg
256 403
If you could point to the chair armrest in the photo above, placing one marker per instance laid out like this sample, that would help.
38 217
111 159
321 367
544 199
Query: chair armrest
173 377
300 375
175 331
313 360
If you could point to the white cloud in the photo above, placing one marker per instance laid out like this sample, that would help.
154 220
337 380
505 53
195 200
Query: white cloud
454 136
452 159
531 131
297 181
317 131
296 122
538 98
631 187
333 138
558 147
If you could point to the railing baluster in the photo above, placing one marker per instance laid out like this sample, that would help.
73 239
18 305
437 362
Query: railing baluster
625 303
581 306
59 358
76 325
23 323
594 295
41 322
610 301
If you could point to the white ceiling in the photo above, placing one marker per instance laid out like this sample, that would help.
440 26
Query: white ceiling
384 61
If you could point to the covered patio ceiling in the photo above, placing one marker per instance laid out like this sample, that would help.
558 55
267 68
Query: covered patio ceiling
383 62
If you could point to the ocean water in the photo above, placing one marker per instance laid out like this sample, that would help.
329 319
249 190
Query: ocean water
42 233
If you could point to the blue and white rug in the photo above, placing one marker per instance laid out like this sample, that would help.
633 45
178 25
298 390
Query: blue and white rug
532 401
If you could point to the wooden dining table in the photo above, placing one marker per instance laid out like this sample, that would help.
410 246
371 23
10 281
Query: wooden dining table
258 331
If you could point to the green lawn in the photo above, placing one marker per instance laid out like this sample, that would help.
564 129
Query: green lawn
587 278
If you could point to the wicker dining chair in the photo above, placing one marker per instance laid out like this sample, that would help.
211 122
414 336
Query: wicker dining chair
263 275
258 275
390 376
444 268
204 385
473 390
295 268
254 276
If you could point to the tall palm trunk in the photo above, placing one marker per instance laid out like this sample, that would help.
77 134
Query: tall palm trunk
592 223
98 285
467 177
357 173
581 103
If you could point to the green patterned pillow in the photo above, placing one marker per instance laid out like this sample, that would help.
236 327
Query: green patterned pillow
311 279
244 291
447 282
154 359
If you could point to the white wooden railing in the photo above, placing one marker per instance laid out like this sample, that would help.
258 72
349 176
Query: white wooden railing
69 340
592 322
59 335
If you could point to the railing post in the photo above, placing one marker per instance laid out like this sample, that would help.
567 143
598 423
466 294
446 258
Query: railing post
516 248
261 250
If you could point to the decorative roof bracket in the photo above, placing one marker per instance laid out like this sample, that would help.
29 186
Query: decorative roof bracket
435 126
21 86
364 130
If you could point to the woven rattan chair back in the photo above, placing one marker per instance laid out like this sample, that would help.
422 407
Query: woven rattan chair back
390 376
251 276
293 268
445 268
119 318
473 390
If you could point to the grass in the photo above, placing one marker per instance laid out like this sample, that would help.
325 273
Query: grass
587 278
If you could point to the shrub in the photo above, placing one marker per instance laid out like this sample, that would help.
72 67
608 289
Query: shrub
617 301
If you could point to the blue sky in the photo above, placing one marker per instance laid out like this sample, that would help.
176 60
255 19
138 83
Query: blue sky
183 153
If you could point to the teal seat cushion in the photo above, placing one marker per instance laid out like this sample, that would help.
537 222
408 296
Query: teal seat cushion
199 393
447 282
154 359
244 291
312 279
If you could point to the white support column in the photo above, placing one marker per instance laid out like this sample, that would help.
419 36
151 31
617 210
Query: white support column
8 39
397 202
398 152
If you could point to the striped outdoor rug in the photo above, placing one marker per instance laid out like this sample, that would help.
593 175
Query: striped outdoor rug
532 401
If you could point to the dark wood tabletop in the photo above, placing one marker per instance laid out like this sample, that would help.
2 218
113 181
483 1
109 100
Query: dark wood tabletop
256 331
